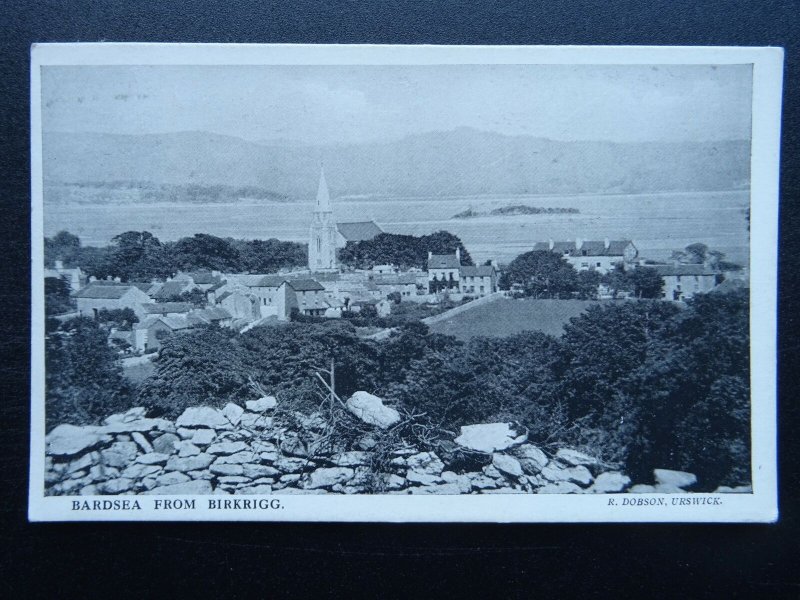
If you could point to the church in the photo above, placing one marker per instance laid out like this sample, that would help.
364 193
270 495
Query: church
322 240
326 235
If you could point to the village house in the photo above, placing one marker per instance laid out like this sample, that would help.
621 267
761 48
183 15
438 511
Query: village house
150 332
309 297
167 309
682 281
172 289
478 281
109 295
404 284
76 278
446 273
602 256
204 280
239 304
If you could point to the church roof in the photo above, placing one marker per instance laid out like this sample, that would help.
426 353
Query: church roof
359 231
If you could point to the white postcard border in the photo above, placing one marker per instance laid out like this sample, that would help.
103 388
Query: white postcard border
760 506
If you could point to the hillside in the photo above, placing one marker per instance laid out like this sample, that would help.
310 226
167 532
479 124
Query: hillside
459 162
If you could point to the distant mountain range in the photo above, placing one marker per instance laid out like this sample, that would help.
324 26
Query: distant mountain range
463 161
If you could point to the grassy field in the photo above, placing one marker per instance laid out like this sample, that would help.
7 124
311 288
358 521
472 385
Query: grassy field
506 317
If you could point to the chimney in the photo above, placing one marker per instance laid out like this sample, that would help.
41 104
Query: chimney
551 243
430 255
458 254
59 265
607 243
494 264
578 243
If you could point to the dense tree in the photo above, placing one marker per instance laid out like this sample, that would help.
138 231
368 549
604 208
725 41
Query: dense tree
586 283
204 251
542 274
403 251
267 256
203 366
123 318
83 381
57 296
63 246
646 282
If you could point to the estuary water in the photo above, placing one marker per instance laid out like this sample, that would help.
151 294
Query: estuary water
657 223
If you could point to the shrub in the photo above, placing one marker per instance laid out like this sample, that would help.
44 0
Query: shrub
83 382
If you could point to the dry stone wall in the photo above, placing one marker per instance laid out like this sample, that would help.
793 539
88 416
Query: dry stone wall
251 451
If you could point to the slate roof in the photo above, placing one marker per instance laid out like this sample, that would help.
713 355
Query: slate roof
163 308
105 291
479 271
170 289
174 323
142 285
359 231
306 285
588 248
270 281
443 261
208 315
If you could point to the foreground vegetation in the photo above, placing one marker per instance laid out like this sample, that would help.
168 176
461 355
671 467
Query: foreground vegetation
641 384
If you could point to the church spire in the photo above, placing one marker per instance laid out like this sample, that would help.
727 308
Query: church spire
323 197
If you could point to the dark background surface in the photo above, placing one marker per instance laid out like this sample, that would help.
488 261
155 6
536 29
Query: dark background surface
270 560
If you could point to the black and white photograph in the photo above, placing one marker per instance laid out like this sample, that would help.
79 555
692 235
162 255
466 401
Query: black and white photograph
383 283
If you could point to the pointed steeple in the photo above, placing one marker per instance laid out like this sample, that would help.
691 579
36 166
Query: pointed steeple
323 197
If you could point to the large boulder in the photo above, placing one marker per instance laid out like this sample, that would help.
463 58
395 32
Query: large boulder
531 458
507 465
196 486
69 440
119 454
492 437
371 409
140 425
329 476
190 463
233 413
262 404
165 444
226 448
679 479
203 417
610 482
555 473
575 458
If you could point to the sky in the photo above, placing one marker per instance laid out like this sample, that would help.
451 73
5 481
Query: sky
355 104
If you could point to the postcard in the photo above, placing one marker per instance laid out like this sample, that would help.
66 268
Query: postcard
404 283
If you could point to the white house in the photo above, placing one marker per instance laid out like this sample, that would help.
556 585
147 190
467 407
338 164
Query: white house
108 295
583 255
681 281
